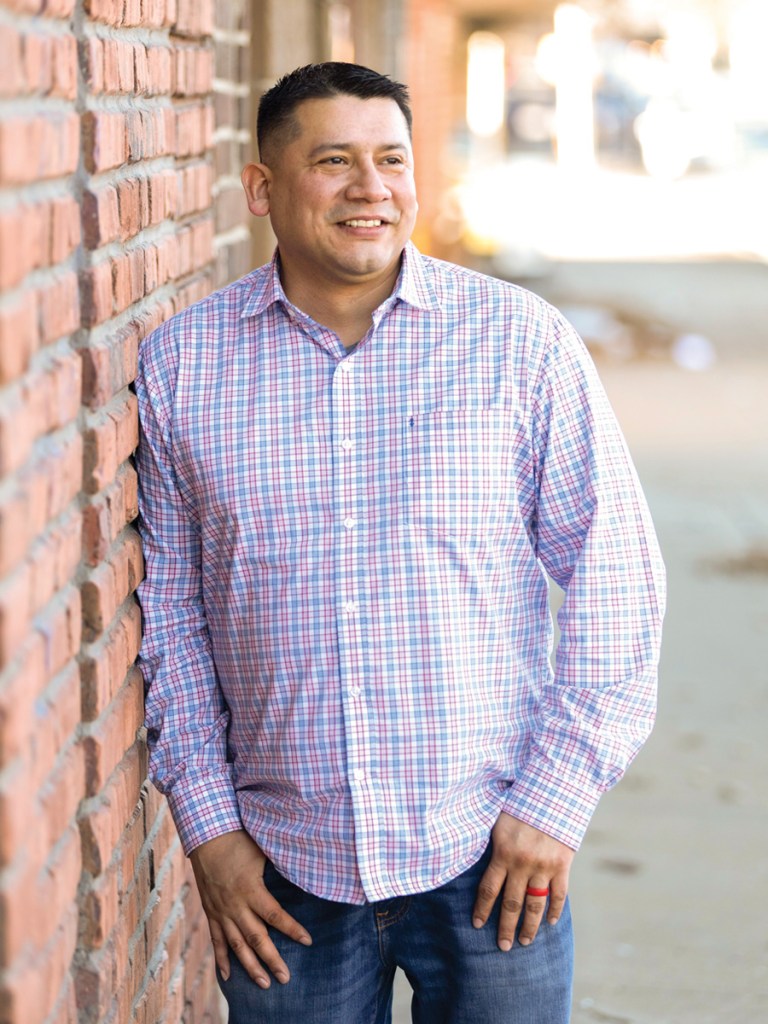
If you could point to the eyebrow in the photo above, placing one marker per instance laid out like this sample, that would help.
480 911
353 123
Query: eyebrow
347 147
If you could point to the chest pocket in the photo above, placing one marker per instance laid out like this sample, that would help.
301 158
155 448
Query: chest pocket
462 469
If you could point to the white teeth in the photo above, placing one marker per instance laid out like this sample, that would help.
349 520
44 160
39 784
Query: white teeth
362 223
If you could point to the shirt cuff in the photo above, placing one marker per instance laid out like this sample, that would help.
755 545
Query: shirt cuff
561 808
204 807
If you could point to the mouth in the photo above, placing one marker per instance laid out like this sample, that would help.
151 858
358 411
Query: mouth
359 222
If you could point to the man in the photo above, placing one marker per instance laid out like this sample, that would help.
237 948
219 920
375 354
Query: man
356 464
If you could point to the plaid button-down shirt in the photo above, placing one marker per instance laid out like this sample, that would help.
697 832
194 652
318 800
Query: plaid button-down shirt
347 636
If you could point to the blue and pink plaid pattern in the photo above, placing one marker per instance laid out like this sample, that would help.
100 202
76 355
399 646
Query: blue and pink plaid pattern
347 636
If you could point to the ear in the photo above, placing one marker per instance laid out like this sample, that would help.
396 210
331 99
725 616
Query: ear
256 179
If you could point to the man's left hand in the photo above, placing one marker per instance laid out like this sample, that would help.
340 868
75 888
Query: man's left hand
522 857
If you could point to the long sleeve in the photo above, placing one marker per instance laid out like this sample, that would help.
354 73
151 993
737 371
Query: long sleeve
595 539
186 716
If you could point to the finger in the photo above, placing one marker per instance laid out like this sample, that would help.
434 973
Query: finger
557 896
512 905
242 947
488 890
534 912
220 948
274 916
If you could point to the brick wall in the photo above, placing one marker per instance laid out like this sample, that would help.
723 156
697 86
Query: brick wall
122 129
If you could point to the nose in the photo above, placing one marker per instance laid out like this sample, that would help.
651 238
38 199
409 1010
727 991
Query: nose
367 183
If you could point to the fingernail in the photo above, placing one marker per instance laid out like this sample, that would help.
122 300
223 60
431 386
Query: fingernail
282 976
505 945
552 920
525 941
305 940
477 922
262 982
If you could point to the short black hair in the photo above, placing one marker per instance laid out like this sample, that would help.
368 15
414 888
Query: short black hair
322 81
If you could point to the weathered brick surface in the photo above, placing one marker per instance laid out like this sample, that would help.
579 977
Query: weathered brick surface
112 169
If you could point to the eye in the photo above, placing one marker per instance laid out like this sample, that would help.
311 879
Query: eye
334 161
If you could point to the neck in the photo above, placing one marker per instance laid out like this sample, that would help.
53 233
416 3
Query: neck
346 310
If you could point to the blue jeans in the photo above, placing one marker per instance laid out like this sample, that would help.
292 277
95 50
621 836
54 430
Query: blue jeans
458 974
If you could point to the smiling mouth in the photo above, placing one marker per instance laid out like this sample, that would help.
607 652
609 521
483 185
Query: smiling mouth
362 223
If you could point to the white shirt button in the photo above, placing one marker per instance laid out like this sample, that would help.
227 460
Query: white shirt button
355 691
347 444
350 523
359 774
350 607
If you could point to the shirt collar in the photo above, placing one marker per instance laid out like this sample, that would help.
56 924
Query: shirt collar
413 286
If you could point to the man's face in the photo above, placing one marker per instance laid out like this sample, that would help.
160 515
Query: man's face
341 192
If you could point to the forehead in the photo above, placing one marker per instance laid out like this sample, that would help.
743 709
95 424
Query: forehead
350 120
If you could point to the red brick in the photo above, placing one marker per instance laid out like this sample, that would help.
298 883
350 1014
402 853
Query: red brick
23 242
35 148
36 899
61 629
92 59
15 613
109 12
54 558
17 694
194 17
106 816
12 78
128 279
59 304
64 65
15 530
18 430
132 14
38 63
34 985
163 189
50 393
61 794
110 438
195 188
194 130
159 70
106 516
150 133
105 140
105 663
96 979
96 293
106 740
59 8
17 812
193 72
65 228
110 365
101 218
19 336
110 584
101 909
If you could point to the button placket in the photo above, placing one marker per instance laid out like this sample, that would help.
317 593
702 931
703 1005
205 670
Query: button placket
349 492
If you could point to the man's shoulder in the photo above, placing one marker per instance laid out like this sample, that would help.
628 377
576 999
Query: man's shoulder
216 310
452 280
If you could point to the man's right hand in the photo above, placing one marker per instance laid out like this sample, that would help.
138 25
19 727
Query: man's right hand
229 871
